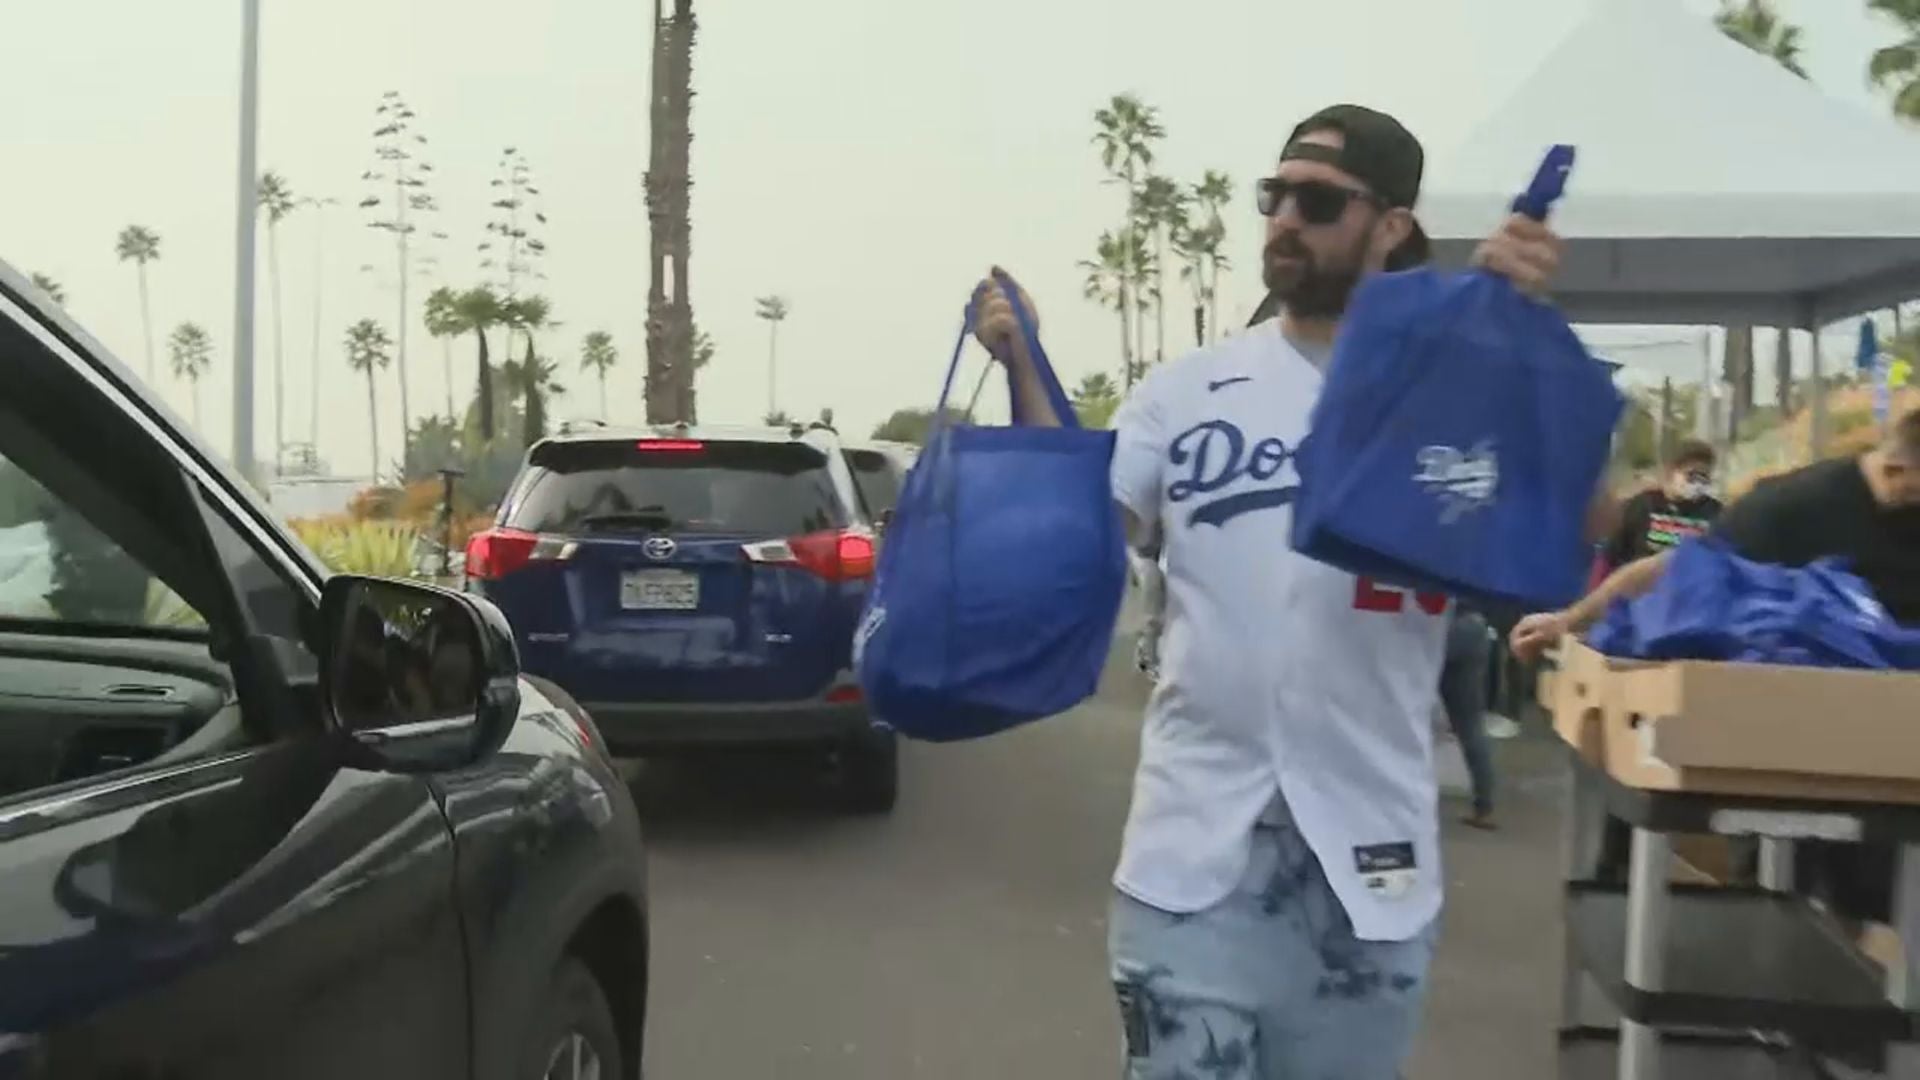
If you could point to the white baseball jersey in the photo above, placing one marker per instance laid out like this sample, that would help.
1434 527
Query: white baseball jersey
1277 672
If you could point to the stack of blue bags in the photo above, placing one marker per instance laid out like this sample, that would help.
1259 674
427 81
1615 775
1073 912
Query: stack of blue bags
1714 605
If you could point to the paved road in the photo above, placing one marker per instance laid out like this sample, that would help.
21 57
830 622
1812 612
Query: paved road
962 938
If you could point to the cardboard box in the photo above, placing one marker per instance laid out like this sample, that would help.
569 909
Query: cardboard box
1752 729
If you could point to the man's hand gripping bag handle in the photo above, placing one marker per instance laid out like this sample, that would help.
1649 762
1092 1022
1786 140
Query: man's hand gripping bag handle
1050 382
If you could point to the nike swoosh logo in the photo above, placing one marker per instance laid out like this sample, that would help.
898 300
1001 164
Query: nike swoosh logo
1222 384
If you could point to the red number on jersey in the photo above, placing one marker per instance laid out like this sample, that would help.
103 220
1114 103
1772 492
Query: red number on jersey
1371 596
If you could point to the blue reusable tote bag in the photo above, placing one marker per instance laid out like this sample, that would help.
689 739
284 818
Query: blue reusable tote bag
1711 604
1001 574
1459 437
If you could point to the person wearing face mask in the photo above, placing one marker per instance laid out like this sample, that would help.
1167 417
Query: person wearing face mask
1681 508
1863 509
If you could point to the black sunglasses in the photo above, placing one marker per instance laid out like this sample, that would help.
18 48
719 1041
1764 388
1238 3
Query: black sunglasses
1320 202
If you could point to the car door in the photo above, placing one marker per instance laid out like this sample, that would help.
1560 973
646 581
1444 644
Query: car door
191 883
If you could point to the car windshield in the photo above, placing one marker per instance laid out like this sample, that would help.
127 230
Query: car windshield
878 479
747 488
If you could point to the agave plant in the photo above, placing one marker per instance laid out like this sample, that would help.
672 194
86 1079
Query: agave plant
166 608
374 548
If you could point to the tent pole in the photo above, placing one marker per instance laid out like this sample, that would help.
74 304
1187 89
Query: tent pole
1703 425
1817 396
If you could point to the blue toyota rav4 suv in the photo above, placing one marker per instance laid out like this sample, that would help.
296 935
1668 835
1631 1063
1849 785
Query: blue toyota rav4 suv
696 588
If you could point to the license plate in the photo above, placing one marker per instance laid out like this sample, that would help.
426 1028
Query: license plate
659 590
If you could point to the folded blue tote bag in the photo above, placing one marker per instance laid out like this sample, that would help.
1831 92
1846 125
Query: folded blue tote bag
1001 574
1711 604
1459 437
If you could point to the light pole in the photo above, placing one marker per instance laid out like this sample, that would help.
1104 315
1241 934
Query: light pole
246 211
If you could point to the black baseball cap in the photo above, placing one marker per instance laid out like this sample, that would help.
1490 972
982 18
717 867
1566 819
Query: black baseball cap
1378 151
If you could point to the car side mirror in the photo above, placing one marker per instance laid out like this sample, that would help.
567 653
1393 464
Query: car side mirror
415 678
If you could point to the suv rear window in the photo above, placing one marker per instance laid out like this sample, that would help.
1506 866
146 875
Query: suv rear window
877 477
760 489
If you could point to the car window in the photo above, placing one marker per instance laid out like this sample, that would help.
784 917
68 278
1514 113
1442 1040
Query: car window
752 488
57 567
877 477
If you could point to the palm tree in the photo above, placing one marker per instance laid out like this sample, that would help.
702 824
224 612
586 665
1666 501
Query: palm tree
191 352
1160 212
1756 25
477 311
774 309
702 356
319 205
399 151
1210 196
1095 400
598 355
670 368
1896 68
529 315
442 316
277 200
1201 260
140 245
531 379
1126 130
1106 285
367 352
55 292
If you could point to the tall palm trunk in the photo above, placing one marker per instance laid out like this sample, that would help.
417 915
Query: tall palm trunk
1140 332
279 348
536 427
483 392
1126 343
603 393
1159 296
1213 303
319 277
146 320
656 182
446 360
373 418
193 388
400 327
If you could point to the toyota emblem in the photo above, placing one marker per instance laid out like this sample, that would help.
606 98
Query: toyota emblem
659 547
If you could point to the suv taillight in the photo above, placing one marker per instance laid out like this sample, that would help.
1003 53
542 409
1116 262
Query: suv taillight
837 554
494 554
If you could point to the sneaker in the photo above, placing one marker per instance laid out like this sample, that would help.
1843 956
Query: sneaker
1500 727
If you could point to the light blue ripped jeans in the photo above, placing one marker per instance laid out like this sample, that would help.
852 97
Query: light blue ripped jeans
1268 984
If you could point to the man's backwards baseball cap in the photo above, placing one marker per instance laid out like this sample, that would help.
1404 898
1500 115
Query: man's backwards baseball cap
1378 151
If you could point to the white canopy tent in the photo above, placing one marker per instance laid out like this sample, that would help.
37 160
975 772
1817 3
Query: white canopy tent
1712 186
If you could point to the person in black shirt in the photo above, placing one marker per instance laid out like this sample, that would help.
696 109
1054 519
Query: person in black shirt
1865 510
1682 507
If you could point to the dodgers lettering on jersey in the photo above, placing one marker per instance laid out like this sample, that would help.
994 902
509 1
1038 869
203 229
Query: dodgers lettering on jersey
1279 675
1215 454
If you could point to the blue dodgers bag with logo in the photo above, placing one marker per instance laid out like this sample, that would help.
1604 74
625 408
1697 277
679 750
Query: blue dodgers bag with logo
1711 604
1001 574
1459 437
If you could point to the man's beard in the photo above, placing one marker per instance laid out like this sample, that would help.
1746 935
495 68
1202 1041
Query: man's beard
1308 289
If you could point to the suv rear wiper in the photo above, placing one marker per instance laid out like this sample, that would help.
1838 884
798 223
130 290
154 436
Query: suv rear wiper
647 517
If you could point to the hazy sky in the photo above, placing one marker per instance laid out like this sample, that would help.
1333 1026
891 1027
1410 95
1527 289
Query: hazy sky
866 159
